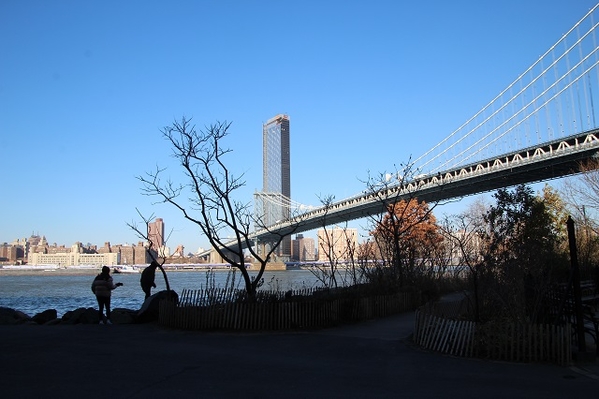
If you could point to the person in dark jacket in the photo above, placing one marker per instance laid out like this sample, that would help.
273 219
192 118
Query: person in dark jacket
102 287
147 278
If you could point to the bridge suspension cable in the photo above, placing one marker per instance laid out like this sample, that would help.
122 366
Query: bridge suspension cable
283 201
553 98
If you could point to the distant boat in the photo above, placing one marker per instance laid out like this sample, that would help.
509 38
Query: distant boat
125 270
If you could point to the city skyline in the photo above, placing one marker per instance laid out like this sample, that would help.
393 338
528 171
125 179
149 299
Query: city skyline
54 244
37 250
367 86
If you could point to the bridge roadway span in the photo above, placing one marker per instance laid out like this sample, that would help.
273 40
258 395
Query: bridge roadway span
547 161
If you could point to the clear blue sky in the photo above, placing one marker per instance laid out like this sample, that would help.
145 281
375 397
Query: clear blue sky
86 86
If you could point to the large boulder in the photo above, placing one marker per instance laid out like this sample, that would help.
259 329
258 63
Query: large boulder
45 316
11 316
149 310
81 316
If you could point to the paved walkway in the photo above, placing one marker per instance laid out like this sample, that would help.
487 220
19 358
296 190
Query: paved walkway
374 359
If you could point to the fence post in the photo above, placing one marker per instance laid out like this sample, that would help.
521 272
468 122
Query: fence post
582 347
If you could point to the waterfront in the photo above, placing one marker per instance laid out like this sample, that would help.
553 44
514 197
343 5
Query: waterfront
35 292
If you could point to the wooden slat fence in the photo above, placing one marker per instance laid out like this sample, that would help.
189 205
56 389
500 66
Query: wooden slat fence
438 327
525 343
442 334
213 310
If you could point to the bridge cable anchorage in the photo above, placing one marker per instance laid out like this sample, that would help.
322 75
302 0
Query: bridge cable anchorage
553 98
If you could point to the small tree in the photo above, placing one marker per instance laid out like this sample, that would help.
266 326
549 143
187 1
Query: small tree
329 240
463 237
404 232
206 197
521 254
408 236
327 272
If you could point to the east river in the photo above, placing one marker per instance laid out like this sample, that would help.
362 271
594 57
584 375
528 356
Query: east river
37 292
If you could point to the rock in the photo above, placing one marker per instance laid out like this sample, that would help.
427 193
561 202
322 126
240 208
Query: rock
122 316
81 316
11 316
45 316
149 310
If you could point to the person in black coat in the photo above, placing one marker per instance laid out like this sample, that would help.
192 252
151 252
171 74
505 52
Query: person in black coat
147 278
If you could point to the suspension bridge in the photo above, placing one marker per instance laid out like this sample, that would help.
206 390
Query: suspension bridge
541 127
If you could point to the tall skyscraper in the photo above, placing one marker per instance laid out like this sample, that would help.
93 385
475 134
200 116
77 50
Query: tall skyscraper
276 175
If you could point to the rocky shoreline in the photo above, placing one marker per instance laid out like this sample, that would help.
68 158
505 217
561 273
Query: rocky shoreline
147 313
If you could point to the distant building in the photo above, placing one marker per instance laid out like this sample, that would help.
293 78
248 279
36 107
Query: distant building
131 255
141 254
276 175
105 249
18 250
55 249
337 244
80 255
127 252
156 233
8 253
303 249
179 252
32 243
76 256
35 250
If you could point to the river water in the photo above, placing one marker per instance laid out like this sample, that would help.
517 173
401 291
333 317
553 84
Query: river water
33 294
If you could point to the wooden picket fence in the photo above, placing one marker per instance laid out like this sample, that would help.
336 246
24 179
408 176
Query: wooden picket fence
525 343
438 327
216 310
441 334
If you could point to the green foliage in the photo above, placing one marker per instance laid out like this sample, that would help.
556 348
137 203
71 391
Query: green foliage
520 230
522 255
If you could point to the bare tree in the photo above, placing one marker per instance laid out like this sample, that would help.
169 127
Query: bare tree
465 247
582 197
327 272
582 193
337 247
206 197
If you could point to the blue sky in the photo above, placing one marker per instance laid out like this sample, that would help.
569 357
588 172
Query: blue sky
85 88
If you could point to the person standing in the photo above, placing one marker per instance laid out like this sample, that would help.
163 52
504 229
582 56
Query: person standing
102 287
147 278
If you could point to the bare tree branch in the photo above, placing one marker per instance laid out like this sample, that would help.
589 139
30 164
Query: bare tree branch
206 197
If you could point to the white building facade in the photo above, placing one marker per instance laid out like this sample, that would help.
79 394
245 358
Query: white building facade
74 258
